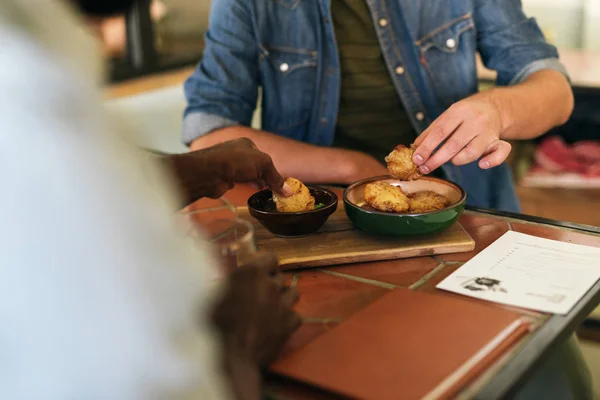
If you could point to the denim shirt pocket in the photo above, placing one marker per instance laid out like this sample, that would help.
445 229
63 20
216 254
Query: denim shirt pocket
290 77
448 54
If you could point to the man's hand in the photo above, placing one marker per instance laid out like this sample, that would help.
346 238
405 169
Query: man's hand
254 318
467 131
213 171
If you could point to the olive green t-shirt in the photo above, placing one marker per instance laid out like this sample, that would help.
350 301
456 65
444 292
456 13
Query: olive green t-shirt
371 117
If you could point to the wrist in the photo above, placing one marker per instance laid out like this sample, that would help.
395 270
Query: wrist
191 173
361 166
244 376
350 167
500 101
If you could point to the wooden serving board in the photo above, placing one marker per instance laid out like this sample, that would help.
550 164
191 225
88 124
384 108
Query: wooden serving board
338 242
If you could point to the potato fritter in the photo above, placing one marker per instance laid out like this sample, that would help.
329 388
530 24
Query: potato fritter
428 201
301 200
385 197
400 163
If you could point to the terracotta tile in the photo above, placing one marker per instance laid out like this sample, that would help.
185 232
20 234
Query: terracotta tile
238 196
483 236
429 286
397 272
326 296
289 277
304 335
204 203
562 235
473 220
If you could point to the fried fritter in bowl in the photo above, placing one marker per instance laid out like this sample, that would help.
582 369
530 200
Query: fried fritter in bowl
385 197
422 202
300 201
400 163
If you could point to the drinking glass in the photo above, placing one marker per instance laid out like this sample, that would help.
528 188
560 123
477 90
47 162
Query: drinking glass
232 238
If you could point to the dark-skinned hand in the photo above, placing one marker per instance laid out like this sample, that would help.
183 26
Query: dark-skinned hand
213 171
254 318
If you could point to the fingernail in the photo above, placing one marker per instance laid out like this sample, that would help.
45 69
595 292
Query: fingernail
418 159
484 164
424 170
287 190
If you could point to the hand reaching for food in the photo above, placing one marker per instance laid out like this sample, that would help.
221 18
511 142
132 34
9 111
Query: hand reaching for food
468 131
300 200
401 165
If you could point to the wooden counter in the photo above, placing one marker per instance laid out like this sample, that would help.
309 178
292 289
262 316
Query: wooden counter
148 83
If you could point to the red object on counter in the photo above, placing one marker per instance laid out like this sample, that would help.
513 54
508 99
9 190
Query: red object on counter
554 155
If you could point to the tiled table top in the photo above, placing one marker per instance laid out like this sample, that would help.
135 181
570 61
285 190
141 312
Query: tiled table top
329 295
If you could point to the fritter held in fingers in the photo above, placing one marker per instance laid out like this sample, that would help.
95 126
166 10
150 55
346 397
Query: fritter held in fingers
387 198
300 200
422 202
400 163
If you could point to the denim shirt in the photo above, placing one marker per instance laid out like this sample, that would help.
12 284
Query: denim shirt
288 48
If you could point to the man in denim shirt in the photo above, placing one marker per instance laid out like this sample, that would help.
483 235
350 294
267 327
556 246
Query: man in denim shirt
289 49
326 68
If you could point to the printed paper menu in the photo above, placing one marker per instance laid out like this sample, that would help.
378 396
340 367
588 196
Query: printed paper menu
528 272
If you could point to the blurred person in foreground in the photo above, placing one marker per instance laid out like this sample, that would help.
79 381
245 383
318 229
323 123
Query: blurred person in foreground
342 82
102 296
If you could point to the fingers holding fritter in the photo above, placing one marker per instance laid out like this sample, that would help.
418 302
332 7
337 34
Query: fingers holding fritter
428 201
300 200
387 198
400 163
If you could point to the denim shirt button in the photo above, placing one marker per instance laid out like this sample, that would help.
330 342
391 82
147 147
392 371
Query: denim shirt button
399 70
420 116
383 22
284 67
450 43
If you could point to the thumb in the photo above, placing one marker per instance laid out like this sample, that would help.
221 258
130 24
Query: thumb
274 180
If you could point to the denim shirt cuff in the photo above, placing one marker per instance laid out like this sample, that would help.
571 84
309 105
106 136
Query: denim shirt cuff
539 65
198 124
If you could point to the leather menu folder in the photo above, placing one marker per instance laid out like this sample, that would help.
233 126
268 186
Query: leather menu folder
406 345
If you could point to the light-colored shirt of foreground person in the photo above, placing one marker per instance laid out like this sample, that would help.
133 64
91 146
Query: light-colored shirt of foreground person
99 292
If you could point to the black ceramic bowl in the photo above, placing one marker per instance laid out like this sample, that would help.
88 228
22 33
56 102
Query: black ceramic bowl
262 207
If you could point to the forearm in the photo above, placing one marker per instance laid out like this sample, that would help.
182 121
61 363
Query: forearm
532 108
244 377
185 171
303 161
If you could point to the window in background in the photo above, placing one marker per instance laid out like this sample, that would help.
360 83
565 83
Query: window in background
569 24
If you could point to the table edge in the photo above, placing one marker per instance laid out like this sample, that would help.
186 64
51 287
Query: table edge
536 220
546 338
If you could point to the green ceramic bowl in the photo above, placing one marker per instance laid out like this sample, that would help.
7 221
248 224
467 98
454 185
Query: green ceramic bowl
389 224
